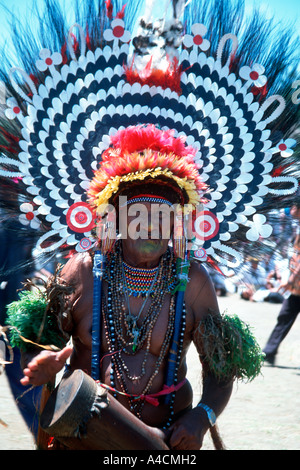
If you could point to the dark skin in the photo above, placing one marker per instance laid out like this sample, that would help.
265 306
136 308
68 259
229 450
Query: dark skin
189 428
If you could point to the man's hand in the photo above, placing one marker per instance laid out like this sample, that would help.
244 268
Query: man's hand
43 367
188 431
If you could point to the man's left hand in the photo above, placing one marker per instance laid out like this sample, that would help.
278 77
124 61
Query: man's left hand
188 431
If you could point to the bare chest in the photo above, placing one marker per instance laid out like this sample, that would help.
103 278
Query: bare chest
139 323
131 325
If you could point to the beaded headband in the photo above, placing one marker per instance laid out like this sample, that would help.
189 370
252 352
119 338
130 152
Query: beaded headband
149 198
70 110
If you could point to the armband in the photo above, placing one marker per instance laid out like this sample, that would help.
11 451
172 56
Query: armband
228 348
35 319
210 413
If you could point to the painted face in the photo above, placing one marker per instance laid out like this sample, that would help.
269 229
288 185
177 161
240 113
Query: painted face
146 229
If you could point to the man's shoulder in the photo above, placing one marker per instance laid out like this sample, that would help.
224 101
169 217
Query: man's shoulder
197 272
197 279
78 266
200 294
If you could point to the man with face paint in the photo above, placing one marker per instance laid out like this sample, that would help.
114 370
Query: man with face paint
156 113
141 314
156 299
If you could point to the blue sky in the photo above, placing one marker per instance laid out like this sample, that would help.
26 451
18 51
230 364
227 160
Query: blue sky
283 10
286 10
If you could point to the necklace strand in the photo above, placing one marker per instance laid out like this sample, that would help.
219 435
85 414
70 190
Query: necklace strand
118 333
132 320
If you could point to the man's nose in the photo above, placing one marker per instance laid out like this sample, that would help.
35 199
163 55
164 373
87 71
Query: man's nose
153 229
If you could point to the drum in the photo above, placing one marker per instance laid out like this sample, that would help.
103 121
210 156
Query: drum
81 415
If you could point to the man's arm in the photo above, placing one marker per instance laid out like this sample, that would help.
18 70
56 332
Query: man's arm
294 275
41 366
188 432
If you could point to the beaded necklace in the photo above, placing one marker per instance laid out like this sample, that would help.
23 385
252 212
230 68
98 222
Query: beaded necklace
139 281
131 320
119 334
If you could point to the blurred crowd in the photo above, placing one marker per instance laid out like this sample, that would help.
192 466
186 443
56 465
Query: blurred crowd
260 276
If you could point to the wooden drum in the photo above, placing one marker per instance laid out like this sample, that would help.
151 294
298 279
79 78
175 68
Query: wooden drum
81 415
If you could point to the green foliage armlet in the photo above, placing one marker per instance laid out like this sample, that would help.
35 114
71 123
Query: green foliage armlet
36 318
228 348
